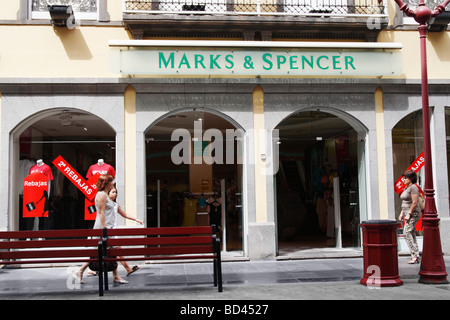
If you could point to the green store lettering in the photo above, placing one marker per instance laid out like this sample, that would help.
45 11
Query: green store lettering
296 62
268 62
197 61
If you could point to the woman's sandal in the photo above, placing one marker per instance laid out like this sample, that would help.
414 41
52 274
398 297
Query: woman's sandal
413 261
121 281
134 269
79 278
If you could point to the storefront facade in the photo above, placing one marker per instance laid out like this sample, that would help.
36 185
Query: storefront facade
297 141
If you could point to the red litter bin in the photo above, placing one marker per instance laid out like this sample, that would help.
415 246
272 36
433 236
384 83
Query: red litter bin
380 253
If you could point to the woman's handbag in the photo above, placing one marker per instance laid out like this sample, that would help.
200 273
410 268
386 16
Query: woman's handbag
110 266
421 202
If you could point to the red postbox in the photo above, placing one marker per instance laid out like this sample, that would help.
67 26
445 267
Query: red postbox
380 253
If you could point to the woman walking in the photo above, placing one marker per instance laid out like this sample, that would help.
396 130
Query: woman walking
106 218
411 213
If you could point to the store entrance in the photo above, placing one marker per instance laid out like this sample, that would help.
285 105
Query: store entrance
193 177
317 183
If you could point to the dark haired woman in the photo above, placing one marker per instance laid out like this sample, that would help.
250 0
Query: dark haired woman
106 217
411 213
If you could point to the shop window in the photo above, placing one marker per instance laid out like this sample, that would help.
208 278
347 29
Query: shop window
196 191
81 139
447 134
83 9
407 145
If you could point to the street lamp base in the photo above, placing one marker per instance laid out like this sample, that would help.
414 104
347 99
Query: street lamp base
433 278
432 266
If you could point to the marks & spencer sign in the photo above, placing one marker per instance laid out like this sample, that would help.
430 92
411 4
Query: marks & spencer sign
255 61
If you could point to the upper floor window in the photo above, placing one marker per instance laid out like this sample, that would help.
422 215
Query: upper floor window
83 9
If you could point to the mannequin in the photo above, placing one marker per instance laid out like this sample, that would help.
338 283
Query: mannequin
42 223
43 168
100 168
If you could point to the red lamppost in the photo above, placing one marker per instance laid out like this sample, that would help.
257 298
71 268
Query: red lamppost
432 268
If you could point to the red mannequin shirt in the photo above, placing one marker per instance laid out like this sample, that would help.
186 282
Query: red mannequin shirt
44 169
103 169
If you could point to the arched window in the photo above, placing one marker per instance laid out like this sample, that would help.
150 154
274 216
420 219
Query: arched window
81 138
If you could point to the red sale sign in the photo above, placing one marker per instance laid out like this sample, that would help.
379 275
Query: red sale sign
35 195
415 166
90 211
87 188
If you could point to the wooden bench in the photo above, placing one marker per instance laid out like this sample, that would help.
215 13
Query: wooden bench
51 247
101 246
170 243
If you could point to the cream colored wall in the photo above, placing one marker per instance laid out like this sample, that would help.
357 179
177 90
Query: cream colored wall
9 9
115 10
381 155
130 154
259 148
41 50
438 48
47 52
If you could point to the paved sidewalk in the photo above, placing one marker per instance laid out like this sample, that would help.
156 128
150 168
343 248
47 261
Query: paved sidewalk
319 279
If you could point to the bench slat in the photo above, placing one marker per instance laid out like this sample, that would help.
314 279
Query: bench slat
181 240
48 243
177 257
34 261
112 252
76 233
35 254
160 231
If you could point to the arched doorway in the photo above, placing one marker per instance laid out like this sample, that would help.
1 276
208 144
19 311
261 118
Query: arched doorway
320 185
194 173
407 145
81 138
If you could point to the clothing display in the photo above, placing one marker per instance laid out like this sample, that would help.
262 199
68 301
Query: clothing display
215 212
101 169
24 170
43 168
190 211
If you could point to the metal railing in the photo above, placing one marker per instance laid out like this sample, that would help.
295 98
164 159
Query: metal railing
320 8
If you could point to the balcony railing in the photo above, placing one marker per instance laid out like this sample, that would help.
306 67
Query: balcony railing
317 8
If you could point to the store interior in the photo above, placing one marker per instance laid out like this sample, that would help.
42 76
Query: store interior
316 148
205 188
